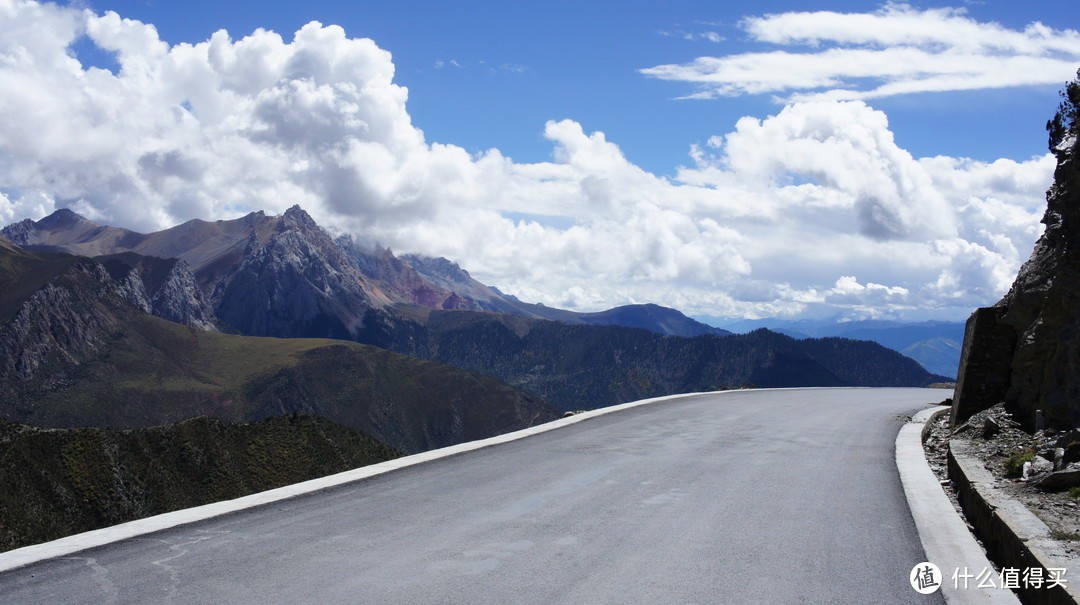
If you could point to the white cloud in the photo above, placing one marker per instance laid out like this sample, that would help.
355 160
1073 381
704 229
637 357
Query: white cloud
848 290
708 35
814 207
895 50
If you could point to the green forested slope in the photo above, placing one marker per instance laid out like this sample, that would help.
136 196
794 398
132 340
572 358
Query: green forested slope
63 481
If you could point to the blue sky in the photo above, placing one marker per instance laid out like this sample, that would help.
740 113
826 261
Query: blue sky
484 74
789 159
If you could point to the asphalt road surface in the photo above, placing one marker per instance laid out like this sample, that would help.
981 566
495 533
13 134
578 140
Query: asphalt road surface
787 496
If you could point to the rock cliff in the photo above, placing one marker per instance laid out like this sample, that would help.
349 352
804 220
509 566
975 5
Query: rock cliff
57 310
60 324
1025 350
294 281
161 286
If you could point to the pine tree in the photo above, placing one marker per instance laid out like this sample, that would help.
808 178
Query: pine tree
1067 118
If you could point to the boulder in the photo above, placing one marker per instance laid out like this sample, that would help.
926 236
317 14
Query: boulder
1060 480
1037 466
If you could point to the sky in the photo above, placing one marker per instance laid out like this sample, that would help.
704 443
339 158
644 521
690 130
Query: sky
772 159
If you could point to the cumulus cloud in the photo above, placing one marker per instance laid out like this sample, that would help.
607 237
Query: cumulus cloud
848 290
813 207
895 50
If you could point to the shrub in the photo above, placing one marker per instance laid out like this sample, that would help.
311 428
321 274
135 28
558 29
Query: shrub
1014 464
1067 117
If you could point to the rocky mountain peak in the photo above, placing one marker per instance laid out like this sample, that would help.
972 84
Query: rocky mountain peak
297 281
24 232
19 233
440 266
62 219
297 218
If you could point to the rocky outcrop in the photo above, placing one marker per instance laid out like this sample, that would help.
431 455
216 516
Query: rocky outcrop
61 323
162 287
1025 350
179 299
19 233
294 281
61 310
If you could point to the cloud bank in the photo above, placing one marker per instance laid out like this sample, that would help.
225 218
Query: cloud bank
812 210
895 50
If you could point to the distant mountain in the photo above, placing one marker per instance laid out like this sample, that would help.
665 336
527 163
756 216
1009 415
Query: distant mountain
654 318
449 276
285 277
941 353
61 482
74 351
265 276
575 365
934 344
866 363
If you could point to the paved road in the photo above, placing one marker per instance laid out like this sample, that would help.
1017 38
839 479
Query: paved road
745 497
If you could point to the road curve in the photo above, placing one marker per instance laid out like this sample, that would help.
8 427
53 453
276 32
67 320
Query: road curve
772 496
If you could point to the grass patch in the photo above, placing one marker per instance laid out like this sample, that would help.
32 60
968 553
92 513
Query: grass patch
1058 534
1014 464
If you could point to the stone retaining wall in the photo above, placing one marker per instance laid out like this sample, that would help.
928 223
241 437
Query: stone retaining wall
1012 535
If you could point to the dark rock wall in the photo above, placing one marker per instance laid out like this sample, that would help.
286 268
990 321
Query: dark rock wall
1025 350
984 363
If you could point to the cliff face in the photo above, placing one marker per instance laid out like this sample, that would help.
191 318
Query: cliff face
57 311
61 323
293 281
1025 350
164 287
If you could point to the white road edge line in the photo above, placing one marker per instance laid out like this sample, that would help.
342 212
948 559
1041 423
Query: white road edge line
21 557
945 537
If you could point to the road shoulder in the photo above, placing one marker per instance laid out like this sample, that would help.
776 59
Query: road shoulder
945 537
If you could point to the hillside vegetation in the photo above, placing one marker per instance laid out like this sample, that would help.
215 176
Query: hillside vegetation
576 366
59 482
154 372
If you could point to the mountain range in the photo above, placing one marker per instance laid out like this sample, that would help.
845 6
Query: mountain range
80 346
285 277
934 344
